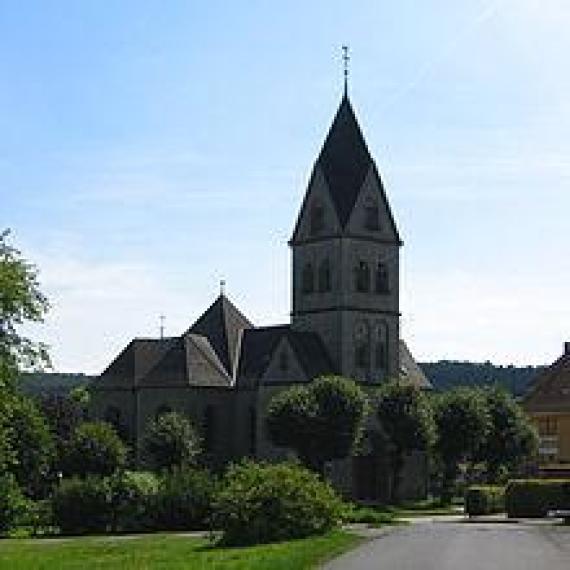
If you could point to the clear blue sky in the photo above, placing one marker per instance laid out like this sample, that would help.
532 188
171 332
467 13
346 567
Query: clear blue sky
149 149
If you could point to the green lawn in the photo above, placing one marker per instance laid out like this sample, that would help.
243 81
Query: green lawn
172 552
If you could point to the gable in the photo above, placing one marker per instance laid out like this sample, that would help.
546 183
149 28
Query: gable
317 195
551 389
284 365
372 207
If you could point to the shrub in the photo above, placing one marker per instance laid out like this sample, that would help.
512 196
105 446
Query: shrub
12 502
260 503
131 495
184 499
94 448
170 441
484 500
83 505
533 498
367 515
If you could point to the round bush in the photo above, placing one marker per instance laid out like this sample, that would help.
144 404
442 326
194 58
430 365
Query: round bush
260 503
184 499
83 505
94 448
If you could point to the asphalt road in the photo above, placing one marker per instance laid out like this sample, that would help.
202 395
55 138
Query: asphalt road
463 546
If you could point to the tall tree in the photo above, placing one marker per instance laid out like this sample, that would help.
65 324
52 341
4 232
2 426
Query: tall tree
170 441
462 422
20 301
320 422
406 418
511 438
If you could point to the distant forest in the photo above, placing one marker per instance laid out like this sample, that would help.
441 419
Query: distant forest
447 374
444 375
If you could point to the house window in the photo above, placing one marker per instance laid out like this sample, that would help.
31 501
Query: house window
362 277
382 282
317 219
324 276
308 279
209 428
547 426
371 216
284 361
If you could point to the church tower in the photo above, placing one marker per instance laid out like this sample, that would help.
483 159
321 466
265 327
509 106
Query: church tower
346 257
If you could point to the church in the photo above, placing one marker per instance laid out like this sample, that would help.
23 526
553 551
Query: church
345 319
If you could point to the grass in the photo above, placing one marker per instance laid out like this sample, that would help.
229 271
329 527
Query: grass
169 551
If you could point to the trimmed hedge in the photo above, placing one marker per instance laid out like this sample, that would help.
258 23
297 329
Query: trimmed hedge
260 503
533 498
484 500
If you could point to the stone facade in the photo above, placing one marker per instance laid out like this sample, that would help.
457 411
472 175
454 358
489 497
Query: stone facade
222 372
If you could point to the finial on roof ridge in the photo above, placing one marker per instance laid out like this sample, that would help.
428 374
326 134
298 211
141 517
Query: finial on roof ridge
345 59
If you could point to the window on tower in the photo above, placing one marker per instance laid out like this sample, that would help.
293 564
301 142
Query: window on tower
317 218
371 215
382 282
308 279
324 276
362 277
361 345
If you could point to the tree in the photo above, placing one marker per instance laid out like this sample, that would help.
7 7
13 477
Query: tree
94 448
170 441
462 423
20 301
321 421
32 445
406 418
511 437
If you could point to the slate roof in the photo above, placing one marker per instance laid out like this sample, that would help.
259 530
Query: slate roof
222 324
550 391
137 359
410 370
345 160
258 346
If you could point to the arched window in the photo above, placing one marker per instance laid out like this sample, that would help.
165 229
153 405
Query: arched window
252 430
362 277
381 346
308 279
382 282
362 345
113 417
209 428
324 276
317 218
371 215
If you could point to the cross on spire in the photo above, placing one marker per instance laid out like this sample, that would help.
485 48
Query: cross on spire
345 60
162 319
222 287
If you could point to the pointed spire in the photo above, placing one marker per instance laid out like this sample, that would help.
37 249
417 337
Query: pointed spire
345 159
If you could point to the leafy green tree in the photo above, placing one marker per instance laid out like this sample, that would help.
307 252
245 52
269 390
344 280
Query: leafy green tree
406 418
170 441
511 438
320 422
32 443
20 301
462 422
94 448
